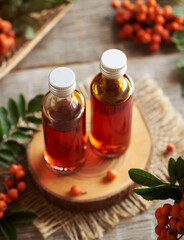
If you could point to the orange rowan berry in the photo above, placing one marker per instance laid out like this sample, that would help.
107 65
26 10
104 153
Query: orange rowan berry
75 190
3 205
148 30
165 34
5 26
13 194
111 174
141 17
139 2
146 38
143 8
156 38
126 3
170 148
180 227
151 10
160 20
175 210
152 3
179 20
167 10
115 3
173 223
158 28
158 230
166 209
20 174
14 168
1 214
154 47
162 221
3 196
21 186
8 182
175 26
158 212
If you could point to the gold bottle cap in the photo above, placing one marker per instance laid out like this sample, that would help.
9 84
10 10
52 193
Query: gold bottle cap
113 63
62 82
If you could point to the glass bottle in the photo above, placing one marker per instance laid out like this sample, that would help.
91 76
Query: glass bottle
111 105
64 122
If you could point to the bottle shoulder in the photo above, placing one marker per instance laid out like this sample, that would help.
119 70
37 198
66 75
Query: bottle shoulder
63 109
112 91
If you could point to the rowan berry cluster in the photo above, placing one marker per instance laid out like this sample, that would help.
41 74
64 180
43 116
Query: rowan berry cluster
7 36
146 22
14 185
170 220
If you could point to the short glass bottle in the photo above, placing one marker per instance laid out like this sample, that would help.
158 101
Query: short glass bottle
111 106
64 123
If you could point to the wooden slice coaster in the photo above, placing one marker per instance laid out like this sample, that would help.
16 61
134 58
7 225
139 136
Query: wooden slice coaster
91 178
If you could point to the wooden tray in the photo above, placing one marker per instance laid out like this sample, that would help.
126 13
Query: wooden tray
100 193
22 47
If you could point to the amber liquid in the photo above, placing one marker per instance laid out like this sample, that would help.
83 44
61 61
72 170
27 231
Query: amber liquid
111 118
65 137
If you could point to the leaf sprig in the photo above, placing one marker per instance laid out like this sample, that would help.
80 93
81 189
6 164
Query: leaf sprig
156 188
17 124
19 13
15 215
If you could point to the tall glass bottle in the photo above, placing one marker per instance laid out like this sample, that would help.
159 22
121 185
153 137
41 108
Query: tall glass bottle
111 105
64 122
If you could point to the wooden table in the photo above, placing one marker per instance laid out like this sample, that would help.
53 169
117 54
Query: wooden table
77 41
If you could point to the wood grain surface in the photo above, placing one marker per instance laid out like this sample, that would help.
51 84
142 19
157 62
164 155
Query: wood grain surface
77 41
102 193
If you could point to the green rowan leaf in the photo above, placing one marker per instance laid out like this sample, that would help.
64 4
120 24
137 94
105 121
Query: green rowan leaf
15 147
172 170
21 104
178 37
144 178
178 11
13 112
179 169
5 164
34 119
22 216
27 129
181 185
34 104
180 63
8 229
159 192
5 124
7 155
20 135
1 132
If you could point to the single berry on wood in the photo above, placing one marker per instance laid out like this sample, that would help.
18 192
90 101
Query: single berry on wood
111 174
170 148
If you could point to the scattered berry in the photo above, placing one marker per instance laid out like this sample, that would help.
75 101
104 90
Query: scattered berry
111 174
170 148
75 190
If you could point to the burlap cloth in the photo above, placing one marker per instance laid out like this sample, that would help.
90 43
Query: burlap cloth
166 126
